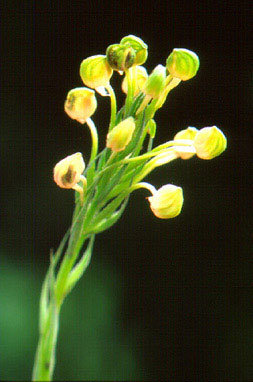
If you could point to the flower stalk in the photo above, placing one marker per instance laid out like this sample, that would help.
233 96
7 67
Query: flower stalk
103 187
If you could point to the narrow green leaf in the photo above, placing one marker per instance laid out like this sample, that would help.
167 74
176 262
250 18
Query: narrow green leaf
47 284
110 221
109 209
80 267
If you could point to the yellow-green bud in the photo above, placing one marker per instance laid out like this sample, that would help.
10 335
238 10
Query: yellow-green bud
167 202
80 104
141 77
121 135
151 128
139 46
189 134
95 71
156 82
120 57
182 63
209 142
68 171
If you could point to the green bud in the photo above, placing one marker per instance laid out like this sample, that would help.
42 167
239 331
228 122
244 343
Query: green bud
156 82
139 46
120 57
209 142
95 71
182 63
121 135
151 128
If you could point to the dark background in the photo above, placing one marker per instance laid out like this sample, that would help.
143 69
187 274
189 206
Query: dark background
165 300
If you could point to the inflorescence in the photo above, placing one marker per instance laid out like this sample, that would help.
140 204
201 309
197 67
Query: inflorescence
103 188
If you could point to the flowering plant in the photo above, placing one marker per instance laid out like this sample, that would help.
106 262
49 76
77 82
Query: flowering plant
103 186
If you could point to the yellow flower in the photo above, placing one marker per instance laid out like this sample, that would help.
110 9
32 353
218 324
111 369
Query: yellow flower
139 46
141 76
121 135
167 202
182 63
80 104
189 134
95 71
68 172
209 142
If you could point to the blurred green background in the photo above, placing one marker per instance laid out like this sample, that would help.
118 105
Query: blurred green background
161 300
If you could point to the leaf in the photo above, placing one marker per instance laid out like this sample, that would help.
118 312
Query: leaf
47 285
107 223
80 267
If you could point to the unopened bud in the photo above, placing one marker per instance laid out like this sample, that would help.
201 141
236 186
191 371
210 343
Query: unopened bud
167 202
121 135
182 63
120 57
151 128
68 171
95 71
139 46
209 142
156 82
80 104
141 77
188 134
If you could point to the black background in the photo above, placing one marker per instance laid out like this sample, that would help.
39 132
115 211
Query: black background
187 282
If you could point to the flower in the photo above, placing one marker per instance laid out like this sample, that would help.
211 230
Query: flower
120 57
156 82
182 63
95 71
121 135
189 134
167 202
139 46
80 104
209 142
141 77
68 172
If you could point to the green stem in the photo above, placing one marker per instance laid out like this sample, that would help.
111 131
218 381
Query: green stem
130 90
67 265
45 354
94 147
94 138
113 106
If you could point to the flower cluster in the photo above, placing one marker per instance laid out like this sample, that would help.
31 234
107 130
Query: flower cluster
103 186
111 175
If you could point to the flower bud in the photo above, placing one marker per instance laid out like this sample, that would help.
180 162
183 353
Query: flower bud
120 57
156 82
139 46
209 142
182 63
95 71
68 171
167 202
121 135
188 134
151 128
80 104
141 77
